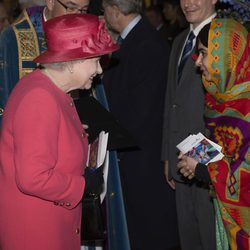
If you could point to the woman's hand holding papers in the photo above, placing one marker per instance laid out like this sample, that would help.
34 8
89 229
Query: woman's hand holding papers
186 166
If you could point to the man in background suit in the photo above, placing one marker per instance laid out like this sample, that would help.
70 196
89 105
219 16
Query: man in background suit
155 17
134 84
175 19
184 108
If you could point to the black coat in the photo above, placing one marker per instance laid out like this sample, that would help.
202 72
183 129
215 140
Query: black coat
135 84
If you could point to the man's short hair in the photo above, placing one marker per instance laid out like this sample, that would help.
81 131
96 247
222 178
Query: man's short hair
154 8
126 6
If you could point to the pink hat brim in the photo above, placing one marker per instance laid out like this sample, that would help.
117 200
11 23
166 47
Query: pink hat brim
76 54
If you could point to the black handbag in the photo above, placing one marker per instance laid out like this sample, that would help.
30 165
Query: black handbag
92 219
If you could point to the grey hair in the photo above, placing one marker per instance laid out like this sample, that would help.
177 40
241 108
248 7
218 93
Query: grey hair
126 6
57 65
60 65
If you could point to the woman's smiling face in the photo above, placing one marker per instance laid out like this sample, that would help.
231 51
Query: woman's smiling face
84 72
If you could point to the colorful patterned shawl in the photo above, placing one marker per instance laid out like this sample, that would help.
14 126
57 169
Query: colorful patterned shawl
228 121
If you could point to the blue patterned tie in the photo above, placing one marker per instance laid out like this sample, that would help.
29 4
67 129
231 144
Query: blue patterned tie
186 52
119 40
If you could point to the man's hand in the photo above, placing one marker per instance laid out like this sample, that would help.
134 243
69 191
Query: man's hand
171 182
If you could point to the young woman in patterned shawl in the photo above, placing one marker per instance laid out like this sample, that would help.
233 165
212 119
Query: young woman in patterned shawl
224 60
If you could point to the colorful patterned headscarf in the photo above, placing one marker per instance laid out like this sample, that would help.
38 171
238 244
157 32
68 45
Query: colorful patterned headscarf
228 122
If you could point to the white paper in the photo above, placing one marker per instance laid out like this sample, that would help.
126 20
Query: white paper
105 177
201 148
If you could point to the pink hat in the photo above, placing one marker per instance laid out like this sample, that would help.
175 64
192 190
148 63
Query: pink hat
75 36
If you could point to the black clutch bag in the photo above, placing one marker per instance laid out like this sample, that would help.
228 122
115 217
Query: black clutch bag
92 220
92 113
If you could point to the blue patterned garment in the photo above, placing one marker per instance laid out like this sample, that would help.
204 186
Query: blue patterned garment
20 43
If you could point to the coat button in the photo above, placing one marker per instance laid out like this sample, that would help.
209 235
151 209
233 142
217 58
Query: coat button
67 204
61 203
174 106
77 231
71 104
56 203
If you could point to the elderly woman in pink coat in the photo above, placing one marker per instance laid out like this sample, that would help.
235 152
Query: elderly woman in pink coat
43 146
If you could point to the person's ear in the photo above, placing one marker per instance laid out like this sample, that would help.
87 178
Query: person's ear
116 11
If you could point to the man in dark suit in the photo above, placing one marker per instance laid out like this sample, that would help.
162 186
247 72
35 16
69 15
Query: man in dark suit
134 84
155 17
184 108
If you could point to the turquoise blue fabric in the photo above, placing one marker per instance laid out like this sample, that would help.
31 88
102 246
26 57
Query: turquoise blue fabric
221 235
117 226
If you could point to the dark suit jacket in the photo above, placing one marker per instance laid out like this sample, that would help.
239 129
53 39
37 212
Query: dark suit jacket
135 85
184 105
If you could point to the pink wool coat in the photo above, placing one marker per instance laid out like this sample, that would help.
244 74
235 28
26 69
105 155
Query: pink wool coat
43 153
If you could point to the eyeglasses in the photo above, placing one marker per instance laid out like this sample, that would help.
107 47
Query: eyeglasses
73 9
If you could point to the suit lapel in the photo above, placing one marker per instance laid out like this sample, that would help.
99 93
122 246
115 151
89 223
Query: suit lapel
188 65
178 51
132 34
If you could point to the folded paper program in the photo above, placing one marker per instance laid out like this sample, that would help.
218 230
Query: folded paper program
200 148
